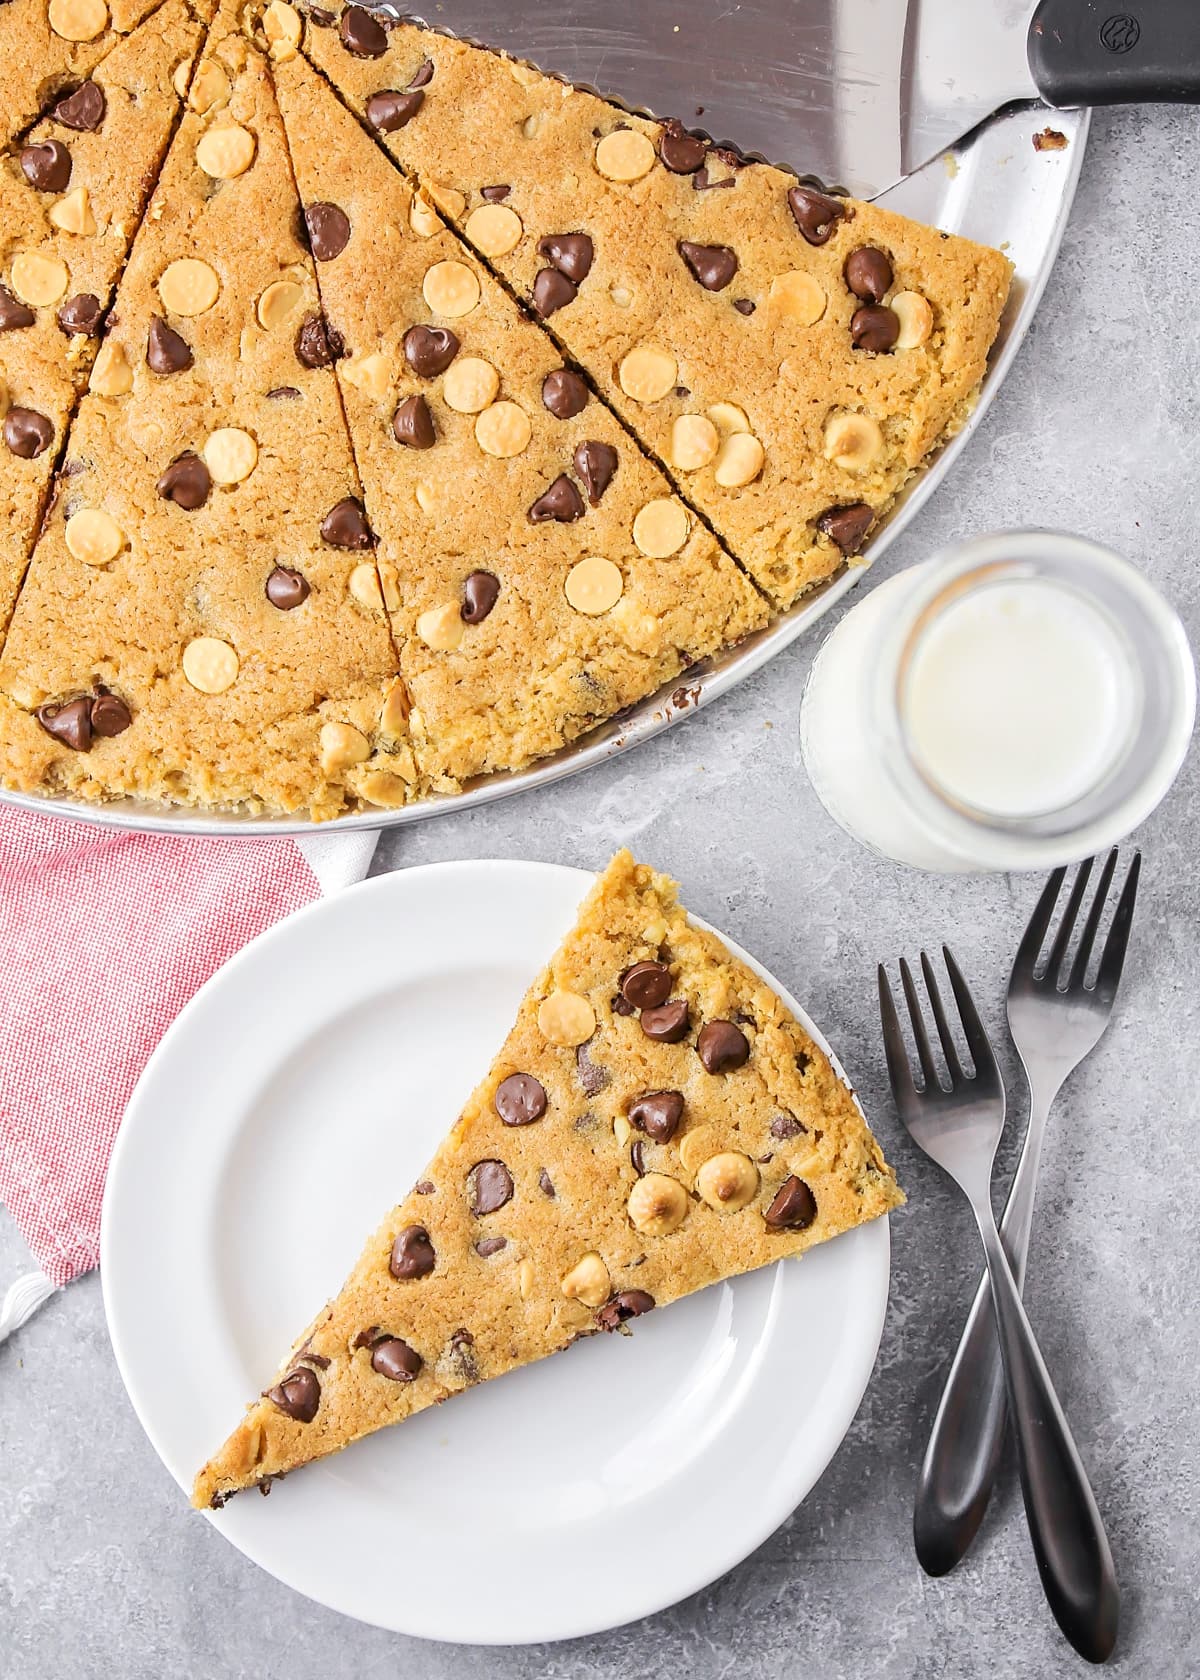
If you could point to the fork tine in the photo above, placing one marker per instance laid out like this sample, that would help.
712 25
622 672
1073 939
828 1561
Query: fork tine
1030 947
920 1036
977 1040
1062 938
1088 938
899 1071
1112 958
953 1065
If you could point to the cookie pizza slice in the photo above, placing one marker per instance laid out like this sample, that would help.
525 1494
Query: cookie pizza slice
792 357
193 628
539 570
71 196
655 1121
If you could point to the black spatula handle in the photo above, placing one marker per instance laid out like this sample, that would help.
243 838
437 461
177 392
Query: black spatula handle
1100 52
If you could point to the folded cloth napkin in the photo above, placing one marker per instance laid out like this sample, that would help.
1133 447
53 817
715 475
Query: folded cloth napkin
104 936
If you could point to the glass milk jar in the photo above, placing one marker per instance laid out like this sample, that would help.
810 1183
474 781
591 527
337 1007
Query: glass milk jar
1015 702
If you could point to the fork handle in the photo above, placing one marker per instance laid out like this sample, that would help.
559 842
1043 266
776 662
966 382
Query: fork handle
1069 1542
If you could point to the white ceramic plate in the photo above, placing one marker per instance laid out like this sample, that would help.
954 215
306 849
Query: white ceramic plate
296 1097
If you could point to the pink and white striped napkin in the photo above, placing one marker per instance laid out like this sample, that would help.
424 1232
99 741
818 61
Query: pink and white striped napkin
104 936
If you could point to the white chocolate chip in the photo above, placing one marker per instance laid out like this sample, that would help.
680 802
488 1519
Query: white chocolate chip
494 229
230 455
341 746
523 74
657 1204
39 280
470 384
363 584
525 1278
853 442
73 214
179 76
281 26
637 628
621 296
695 1147
503 429
225 151
622 1130
393 719
210 665
441 628
588 1281
728 1182
740 461
647 373
451 289
660 528
916 320
382 787
593 585
426 496
93 537
77 20
423 219
624 155
694 442
188 286
112 375
276 302
728 418
449 200
566 1019
531 125
389 583
369 374
797 296
210 86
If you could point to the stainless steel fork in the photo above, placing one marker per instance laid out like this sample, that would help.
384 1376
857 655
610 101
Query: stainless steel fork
1056 1019
959 1128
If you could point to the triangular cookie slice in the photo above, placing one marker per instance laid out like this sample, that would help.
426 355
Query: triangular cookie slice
655 1121
541 573
791 357
71 197
198 623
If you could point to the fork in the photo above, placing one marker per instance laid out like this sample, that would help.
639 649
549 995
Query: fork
1056 1019
959 1127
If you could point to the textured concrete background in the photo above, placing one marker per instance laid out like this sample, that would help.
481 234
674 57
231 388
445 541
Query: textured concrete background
105 1573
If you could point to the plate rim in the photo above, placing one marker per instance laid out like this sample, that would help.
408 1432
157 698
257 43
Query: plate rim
773 1511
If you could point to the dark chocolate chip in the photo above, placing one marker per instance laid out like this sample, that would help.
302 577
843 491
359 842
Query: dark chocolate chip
388 110
82 110
815 213
412 424
546 1184
701 182
70 723
424 1187
424 74
681 391
361 34
596 464
570 253
494 195
786 1126
745 306
874 327
637 1156
394 1359
320 18
480 593
328 230
630 1303
110 716
680 151
28 433
847 526
317 1359
166 351
317 343
552 291
714 266
793 1208
658 1114
345 525
412 1253
282 393
299 1394
489 1246
80 314
429 350
666 1023
561 502
287 588
646 984
622 1006
520 1099
46 167
186 482
564 394
13 313
592 1077
721 1046
489 1186
365 1338
868 273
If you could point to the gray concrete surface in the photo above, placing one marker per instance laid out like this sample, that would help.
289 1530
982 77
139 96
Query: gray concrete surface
105 1573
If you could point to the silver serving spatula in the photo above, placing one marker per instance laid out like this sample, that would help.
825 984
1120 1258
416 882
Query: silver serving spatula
856 92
